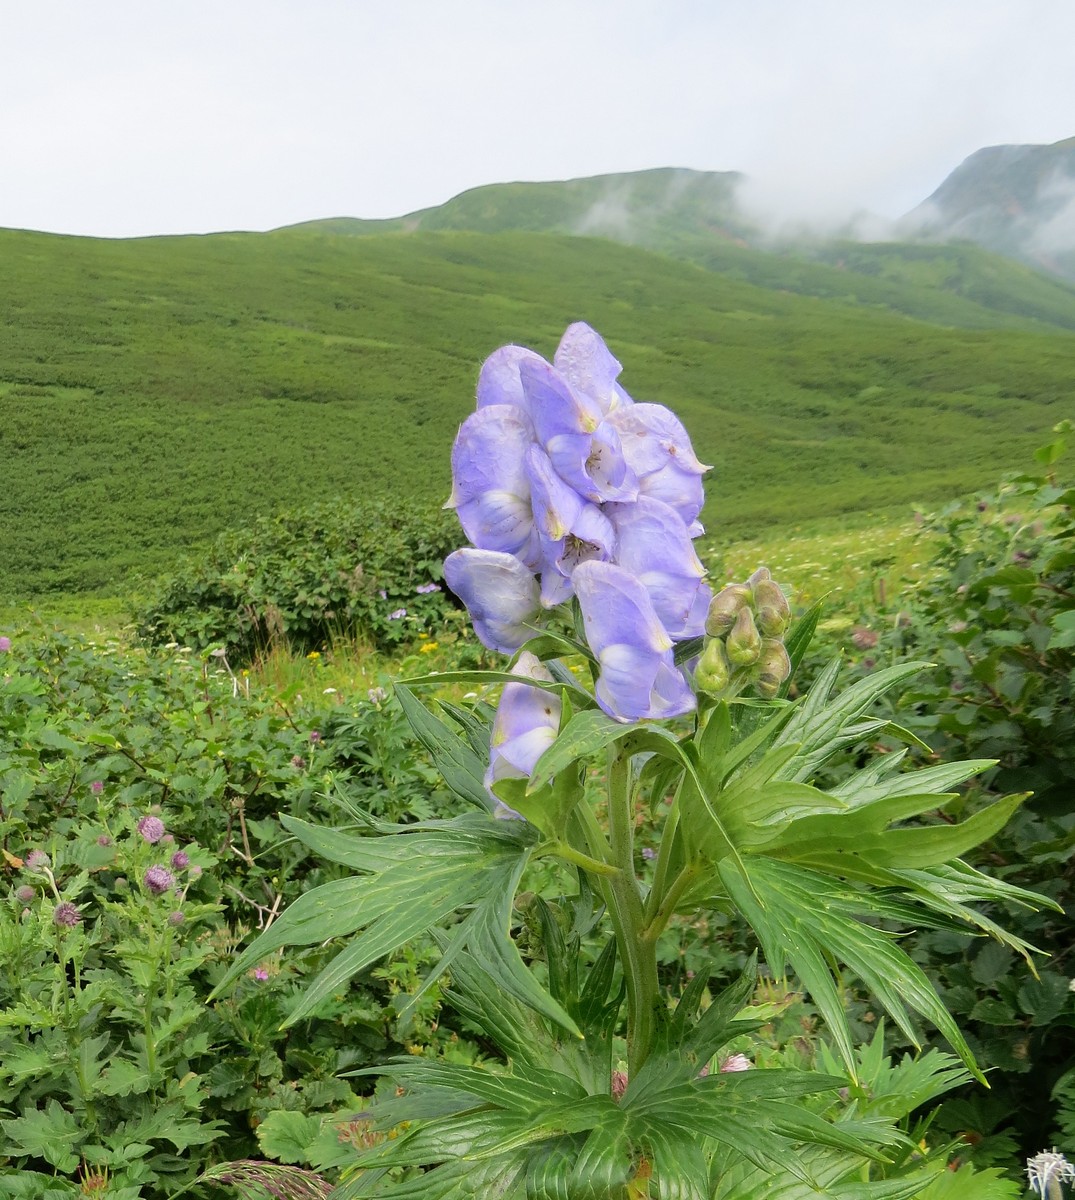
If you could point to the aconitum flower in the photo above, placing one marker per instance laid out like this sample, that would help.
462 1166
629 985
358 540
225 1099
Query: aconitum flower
151 829
158 880
66 915
588 365
501 596
427 589
526 723
657 448
639 679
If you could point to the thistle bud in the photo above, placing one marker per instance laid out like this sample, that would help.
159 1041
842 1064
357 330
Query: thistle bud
774 612
723 608
744 642
713 671
774 667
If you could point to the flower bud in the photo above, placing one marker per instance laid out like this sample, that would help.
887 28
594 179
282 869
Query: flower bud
744 642
713 670
66 915
724 607
774 612
761 575
25 894
774 667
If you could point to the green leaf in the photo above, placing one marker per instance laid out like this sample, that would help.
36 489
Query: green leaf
462 770
585 734
286 1135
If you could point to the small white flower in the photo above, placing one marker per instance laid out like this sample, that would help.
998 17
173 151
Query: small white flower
329 692
1046 1169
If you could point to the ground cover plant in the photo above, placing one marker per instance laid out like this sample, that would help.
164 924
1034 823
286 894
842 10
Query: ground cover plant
157 392
139 845
612 1085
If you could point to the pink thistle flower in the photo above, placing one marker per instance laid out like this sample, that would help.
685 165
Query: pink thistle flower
37 860
180 860
176 918
25 894
151 829
158 880
66 915
97 787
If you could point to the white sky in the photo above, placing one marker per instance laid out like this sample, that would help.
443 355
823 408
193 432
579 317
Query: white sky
130 117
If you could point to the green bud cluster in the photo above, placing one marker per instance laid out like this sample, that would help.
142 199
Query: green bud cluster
744 645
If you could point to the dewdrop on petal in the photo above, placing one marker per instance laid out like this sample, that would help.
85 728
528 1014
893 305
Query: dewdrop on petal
725 607
744 643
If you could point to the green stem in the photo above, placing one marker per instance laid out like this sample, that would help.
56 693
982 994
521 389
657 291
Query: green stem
655 924
637 955
571 855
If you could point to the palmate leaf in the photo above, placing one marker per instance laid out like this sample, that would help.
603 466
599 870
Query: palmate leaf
416 881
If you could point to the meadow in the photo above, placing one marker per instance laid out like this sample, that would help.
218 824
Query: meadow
207 432
157 392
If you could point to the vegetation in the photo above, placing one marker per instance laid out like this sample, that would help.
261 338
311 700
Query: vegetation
158 392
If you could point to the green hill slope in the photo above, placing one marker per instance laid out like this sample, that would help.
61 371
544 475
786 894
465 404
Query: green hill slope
694 215
153 392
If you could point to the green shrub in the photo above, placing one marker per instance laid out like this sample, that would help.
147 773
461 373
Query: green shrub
306 578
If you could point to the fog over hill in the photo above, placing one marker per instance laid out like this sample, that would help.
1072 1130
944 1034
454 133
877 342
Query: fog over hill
1016 201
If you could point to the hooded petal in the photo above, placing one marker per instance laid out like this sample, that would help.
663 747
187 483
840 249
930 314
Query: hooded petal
526 723
654 545
499 382
651 435
638 678
500 593
588 365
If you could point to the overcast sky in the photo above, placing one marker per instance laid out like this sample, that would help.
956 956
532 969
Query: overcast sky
130 117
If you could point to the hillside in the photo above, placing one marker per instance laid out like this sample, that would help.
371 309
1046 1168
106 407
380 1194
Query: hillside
694 215
153 392
1015 200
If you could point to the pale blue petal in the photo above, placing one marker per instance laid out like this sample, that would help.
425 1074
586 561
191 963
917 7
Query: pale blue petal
589 366
500 593
651 435
499 382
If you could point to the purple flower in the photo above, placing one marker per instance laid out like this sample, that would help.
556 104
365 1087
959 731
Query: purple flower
525 726
638 680
180 860
501 596
25 893
427 589
260 974
499 381
653 544
103 839
5 645
97 787
490 485
176 918
648 853
66 915
37 860
658 450
735 1062
398 615
158 880
151 828
377 695
584 360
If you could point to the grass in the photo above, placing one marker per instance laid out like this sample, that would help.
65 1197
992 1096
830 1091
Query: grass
156 391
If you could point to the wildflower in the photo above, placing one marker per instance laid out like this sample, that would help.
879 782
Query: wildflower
176 918
158 880
25 894
525 726
315 737
427 589
298 762
328 692
260 974
97 787
638 679
151 829
863 638
744 643
5 645
37 860
66 915
377 695
180 860
648 853
398 615
500 593
1046 1171
314 655
618 1084
735 1062
103 839
429 647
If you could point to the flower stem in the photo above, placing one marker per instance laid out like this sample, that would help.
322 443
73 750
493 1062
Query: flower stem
638 955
